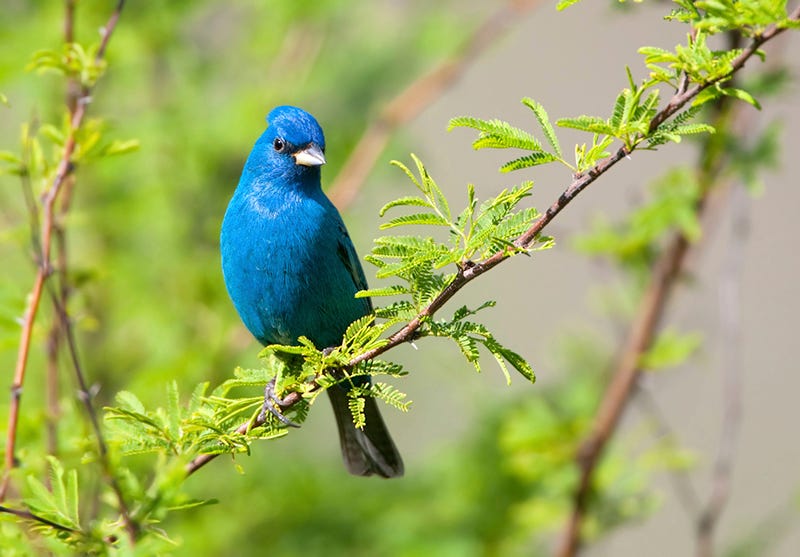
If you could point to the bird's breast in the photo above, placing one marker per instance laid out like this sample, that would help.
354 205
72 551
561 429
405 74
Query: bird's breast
283 273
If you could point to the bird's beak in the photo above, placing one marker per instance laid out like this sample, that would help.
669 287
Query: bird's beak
310 156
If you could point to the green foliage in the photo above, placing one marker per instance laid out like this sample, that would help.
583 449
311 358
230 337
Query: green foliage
695 60
497 134
73 61
469 335
718 16
477 233
669 349
206 425
674 129
60 505
636 242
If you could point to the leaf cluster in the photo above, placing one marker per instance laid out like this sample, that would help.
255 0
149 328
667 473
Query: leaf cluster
635 117
421 263
207 424
748 18
497 134
470 335
73 61
42 147
476 233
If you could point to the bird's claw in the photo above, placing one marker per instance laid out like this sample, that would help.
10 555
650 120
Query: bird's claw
274 405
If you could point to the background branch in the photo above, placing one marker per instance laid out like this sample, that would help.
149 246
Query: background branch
731 369
418 96
51 231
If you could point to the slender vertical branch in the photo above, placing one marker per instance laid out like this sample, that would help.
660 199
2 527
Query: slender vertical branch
43 240
680 479
732 372
54 335
85 396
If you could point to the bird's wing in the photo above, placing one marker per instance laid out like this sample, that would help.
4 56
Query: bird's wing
347 254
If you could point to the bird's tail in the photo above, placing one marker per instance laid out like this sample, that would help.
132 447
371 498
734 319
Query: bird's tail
369 450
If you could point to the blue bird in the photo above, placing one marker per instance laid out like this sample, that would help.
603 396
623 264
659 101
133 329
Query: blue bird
291 269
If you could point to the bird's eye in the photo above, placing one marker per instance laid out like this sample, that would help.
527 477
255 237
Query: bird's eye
279 144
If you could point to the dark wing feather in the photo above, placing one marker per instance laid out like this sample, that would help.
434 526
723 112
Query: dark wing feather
349 258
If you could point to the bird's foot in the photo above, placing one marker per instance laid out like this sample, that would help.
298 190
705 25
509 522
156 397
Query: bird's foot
274 405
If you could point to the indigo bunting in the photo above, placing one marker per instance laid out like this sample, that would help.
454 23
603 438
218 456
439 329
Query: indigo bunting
291 269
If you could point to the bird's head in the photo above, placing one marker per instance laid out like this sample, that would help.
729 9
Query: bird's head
292 146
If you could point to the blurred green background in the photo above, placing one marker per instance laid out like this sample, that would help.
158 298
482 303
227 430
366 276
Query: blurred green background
487 466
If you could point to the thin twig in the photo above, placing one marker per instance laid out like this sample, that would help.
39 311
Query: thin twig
28 515
85 396
466 274
681 481
732 371
418 96
53 343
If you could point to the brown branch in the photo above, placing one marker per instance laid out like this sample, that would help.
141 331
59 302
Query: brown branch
470 272
43 240
418 96
618 393
85 396
201 460
53 343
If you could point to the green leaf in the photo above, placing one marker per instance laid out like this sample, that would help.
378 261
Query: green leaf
394 290
544 122
669 349
405 202
497 134
390 395
534 159
416 219
357 405
585 123
564 4
130 401
118 147
742 95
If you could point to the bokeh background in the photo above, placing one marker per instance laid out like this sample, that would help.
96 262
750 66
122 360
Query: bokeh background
193 81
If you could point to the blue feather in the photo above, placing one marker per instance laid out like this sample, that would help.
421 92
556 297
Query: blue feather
291 269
